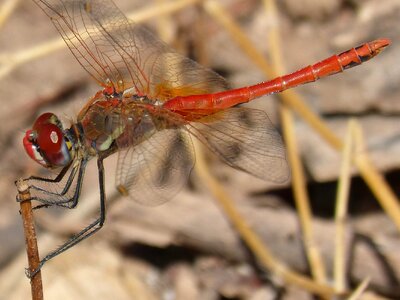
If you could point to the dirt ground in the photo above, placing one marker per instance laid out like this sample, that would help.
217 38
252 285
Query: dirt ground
188 248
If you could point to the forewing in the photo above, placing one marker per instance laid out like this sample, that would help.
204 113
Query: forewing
118 52
153 171
245 139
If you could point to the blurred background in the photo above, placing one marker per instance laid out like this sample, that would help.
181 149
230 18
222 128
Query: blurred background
187 248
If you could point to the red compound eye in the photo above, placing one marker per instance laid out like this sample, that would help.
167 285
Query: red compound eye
46 143
32 149
50 139
44 119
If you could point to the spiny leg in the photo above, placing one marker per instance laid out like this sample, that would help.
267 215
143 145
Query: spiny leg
58 178
72 201
69 202
86 232
66 186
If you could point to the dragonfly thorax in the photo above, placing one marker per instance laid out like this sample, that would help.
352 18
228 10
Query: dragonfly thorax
112 124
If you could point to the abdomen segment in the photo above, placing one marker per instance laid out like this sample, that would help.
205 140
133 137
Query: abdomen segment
332 65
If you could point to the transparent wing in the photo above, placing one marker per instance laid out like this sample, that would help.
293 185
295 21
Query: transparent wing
153 171
118 52
246 140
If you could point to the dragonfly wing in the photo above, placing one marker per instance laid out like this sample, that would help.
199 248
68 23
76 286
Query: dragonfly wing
246 140
118 52
153 171
176 75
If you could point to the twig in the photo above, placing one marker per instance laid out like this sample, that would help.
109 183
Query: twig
30 239
298 178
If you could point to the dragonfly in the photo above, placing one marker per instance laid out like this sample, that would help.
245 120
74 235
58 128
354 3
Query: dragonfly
151 103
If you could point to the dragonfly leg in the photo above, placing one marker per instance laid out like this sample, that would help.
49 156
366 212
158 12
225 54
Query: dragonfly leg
58 178
69 202
66 186
79 165
86 232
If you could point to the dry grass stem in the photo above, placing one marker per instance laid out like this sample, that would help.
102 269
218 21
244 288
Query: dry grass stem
359 290
339 269
374 180
379 188
159 9
298 177
11 61
214 9
165 25
6 10
301 197
30 239
253 241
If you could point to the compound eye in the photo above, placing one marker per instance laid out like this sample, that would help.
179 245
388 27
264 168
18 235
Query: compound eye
31 136
46 143
31 148
43 120
50 139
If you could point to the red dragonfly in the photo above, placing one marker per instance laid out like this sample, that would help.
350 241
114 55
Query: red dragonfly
152 101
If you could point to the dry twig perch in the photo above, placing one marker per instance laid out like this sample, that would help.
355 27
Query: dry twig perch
30 239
